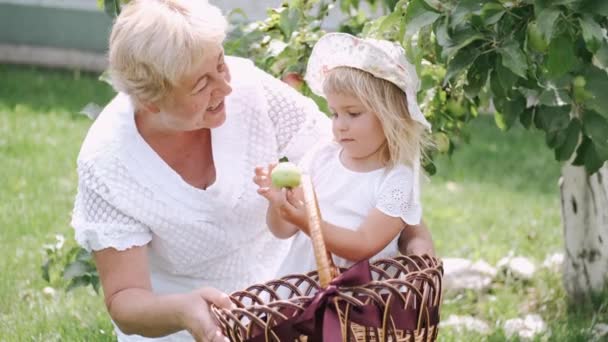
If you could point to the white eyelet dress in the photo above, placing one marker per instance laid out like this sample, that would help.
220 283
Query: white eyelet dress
127 196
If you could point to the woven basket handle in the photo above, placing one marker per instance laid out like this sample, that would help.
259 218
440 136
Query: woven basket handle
325 265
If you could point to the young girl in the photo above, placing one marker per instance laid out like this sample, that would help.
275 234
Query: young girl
366 180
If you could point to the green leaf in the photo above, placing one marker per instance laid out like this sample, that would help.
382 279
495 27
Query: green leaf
570 141
289 21
390 22
83 255
545 22
551 119
45 271
592 33
542 4
588 155
112 7
78 282
526 118
390 4
477 76
417 16
75 269
554 97
492 12
460 62
461 39
514 59
496 86
463 10
345 6
594 7
436 5
95 283
509 110
597 85
441 32
555 139
430 168
561 56
501 121
506 77
600 59
595 127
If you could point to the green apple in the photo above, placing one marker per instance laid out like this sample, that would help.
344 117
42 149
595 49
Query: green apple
442 142
456 108
286 175
578 89
535 38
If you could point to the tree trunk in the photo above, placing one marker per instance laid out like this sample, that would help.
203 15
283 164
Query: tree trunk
585 218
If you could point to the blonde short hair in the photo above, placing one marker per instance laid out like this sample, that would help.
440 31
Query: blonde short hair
407 139
155 43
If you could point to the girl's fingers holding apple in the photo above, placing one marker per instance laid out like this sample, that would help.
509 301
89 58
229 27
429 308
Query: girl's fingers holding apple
295 197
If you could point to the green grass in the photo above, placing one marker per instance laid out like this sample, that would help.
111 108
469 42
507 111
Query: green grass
496 195
40 134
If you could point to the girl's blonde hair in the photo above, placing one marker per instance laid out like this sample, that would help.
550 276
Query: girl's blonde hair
155 43
406 139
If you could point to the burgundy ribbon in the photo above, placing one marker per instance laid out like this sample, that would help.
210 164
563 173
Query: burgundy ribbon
320 320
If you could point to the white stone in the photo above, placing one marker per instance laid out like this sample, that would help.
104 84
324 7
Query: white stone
452 187
460 323
526 328
517 266
48 292
554 262
600 331
462 274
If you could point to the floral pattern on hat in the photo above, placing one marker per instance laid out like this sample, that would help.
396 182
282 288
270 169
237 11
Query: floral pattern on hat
381 58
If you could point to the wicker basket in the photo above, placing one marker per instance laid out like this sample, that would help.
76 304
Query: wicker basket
393 299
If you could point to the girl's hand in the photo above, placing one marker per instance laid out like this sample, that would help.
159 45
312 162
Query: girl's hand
295 211
287 203
196 317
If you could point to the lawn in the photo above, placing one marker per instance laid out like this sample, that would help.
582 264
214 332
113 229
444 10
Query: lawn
495 195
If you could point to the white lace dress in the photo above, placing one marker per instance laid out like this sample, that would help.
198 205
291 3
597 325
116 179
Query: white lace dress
127 196
346 197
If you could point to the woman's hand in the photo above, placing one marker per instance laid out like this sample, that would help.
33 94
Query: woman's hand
136 309
196 316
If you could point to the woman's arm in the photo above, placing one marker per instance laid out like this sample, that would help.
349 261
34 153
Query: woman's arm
133 306
416 240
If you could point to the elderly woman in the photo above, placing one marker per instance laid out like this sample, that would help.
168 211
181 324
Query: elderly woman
165 198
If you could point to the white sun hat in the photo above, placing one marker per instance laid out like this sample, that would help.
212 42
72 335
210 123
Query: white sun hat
381 58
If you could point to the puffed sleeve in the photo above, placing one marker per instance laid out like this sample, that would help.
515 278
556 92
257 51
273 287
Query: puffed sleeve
97 223
297 120
398 197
